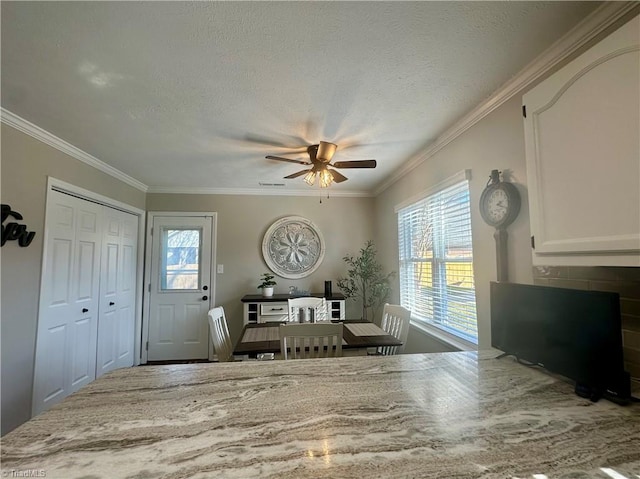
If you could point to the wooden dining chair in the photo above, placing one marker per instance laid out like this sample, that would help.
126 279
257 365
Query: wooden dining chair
303 341
317 305
395 321
220 334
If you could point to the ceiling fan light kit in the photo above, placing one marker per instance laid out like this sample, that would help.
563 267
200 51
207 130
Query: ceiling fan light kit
310 178
326 178
320 156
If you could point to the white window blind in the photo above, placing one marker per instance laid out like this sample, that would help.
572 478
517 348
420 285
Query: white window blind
436 261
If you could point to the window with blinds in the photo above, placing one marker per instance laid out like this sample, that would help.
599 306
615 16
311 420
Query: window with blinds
436 261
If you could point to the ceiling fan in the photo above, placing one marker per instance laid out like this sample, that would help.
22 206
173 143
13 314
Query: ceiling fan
320 156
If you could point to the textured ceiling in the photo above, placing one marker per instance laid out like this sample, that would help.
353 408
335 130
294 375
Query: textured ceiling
195 94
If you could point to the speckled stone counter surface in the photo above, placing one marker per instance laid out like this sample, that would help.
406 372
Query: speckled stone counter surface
447 415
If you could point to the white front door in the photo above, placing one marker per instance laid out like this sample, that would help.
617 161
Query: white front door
116 324
180 288
67 327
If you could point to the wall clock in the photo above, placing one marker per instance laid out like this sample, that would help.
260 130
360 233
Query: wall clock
293 247
499 202
499 207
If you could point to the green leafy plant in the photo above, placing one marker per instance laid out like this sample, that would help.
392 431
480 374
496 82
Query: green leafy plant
267 281
366 281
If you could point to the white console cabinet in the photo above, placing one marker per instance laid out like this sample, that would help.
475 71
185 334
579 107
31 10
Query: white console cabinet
582 138
258 309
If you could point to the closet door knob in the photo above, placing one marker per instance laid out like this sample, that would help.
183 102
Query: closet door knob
85 310
111 303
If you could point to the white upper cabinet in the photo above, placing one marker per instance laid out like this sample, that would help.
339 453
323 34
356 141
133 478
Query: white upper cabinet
582 137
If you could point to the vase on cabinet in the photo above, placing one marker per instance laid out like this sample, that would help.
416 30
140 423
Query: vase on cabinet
267 292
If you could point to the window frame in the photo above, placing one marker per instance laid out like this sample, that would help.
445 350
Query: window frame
433 326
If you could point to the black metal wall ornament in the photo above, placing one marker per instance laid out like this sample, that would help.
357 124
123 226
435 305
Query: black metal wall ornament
14 231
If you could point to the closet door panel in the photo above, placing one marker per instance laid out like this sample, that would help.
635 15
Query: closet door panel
83 352
107 327
126 330
62 251
55 345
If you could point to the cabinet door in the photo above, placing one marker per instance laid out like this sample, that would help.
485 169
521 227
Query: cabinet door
582 135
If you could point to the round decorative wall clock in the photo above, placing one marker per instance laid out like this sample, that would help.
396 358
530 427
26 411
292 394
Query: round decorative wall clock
499 202
293 247
499 207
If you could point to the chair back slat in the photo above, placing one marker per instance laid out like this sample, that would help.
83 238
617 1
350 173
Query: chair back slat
220 334
395 321
303 341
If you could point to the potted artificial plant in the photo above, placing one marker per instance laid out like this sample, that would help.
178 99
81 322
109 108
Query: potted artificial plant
366 281
267 284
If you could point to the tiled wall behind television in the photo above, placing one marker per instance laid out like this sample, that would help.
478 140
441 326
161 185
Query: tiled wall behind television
625 281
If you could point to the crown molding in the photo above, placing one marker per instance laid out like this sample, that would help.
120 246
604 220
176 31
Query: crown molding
44 136
593 25
259 192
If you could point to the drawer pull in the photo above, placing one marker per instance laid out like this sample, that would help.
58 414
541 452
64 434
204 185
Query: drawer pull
277 309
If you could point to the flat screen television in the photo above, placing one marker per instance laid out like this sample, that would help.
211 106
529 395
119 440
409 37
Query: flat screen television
574 333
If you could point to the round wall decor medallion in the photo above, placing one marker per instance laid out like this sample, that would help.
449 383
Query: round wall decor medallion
293 247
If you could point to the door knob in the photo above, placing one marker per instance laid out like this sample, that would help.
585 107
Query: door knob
204 298
85 310
111 303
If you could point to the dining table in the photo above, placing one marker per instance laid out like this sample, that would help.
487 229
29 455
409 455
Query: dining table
358 334
463 415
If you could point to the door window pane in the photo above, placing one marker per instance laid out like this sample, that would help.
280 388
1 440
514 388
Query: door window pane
180 259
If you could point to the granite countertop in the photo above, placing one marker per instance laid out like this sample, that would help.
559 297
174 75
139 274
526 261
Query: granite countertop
448 415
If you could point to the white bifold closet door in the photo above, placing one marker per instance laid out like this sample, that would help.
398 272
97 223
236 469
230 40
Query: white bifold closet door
89 262
116 321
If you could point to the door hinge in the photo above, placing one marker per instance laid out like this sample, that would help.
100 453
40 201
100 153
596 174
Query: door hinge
533 242
147 346
524 110
151 232
149 288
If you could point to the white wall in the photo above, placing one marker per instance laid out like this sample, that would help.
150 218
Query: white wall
345 223
496 142
26 163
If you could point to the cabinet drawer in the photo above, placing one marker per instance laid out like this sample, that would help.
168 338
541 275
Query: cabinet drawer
274 309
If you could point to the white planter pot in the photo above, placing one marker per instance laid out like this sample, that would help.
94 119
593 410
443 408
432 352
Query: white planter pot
267 292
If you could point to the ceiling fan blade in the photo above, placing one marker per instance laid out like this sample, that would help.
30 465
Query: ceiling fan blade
355 164
279 158
338 177
295 175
